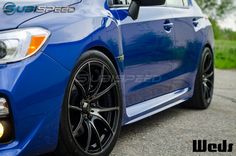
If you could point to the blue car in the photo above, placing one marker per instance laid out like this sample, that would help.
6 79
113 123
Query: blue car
72 75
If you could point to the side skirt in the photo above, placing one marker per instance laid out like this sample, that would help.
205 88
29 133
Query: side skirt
136 112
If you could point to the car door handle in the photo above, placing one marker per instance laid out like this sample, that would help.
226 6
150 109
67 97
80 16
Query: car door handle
168 26
195 22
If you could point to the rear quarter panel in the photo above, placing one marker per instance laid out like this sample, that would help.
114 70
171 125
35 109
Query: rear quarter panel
190 42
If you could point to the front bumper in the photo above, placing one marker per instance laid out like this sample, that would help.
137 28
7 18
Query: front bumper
35 89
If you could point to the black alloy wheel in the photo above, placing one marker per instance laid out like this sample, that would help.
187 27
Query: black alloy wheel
207 77
204 83
91 117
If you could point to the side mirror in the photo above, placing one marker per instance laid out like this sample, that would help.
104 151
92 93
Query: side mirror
135 6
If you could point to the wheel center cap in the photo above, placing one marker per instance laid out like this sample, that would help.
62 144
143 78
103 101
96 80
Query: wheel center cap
86 107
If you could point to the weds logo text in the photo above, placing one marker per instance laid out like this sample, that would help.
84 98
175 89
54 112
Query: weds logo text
204 146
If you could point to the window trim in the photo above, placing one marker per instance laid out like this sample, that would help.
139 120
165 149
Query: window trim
111 5
181 7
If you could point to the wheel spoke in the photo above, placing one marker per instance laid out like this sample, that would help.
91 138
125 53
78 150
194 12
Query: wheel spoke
100 81
205 93
89 135
75 132
75 108
89 77
209 81
97 96
209 75
79 85
97 135
206 90
205 86
209 64
100 118
101 110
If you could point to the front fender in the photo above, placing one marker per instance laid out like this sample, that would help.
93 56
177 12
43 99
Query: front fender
74 33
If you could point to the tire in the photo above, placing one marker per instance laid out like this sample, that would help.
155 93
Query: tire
92 111
204 83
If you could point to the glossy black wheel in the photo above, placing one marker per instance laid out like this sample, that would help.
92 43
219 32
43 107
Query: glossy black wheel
204 83
207 76
93 107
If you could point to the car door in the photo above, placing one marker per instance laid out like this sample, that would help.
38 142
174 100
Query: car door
187 43
147 45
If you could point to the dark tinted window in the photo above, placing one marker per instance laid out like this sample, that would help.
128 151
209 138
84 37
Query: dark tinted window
121 2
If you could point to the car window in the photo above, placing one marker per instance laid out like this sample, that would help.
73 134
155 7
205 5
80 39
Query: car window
177 3
122 2
186 4
129 2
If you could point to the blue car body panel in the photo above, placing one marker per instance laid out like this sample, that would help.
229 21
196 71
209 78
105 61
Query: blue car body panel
36 110
147 50
159 68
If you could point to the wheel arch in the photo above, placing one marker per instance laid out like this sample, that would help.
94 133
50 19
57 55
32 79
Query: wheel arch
208 45
109 54
119 68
